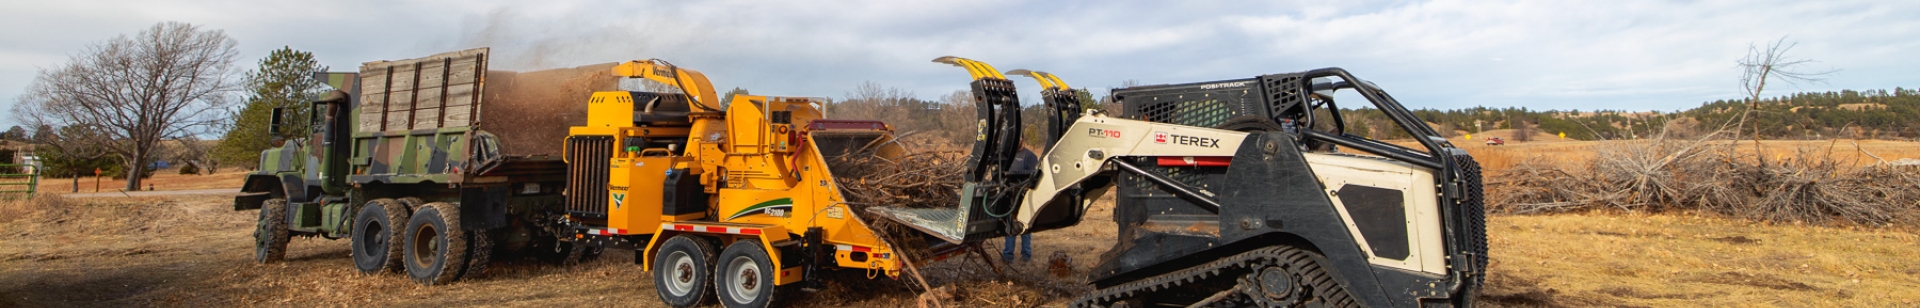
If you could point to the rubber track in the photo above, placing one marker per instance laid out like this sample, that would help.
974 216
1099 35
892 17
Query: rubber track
1476 218
1317 278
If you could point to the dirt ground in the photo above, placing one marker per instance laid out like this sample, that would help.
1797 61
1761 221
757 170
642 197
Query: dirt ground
193 250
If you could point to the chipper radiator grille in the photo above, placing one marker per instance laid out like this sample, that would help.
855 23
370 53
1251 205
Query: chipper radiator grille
588 160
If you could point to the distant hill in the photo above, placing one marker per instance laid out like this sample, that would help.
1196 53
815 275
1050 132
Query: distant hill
1871 114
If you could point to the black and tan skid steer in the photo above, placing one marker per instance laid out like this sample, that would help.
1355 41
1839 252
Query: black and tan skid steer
1239 192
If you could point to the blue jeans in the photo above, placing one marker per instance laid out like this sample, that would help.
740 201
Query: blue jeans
1026 248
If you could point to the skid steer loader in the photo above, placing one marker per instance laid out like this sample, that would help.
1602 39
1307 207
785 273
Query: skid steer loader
1240 192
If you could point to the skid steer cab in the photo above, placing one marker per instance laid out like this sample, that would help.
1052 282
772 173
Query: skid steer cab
736 204
1240 192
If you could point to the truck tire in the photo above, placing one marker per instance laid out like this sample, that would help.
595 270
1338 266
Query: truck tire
683 271
270 235
481 253
410 203
377 241
436 247
745 278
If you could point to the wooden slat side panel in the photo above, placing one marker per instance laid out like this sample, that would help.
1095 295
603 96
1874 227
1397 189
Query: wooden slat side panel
433 73
426 118
413 93
458 116
460 95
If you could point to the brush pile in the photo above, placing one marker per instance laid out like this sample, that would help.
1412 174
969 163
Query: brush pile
921 180
1662 175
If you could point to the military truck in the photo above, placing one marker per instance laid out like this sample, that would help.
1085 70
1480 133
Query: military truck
428 165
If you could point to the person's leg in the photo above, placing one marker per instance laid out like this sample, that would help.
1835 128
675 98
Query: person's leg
1006 249
1026 247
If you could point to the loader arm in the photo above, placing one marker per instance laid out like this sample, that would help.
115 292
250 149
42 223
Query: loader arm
1079 157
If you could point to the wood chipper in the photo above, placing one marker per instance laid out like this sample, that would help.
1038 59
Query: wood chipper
734 200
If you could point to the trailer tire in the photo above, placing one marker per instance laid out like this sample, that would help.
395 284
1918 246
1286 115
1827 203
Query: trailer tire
377 242
745 275
683 271
270 234
436 247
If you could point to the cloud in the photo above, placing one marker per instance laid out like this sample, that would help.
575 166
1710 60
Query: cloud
1634 55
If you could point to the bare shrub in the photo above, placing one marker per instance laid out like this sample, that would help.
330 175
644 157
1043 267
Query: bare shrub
1815 187
1666 175
1532 187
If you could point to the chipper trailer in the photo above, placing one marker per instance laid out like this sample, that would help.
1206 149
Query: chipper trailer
1241 192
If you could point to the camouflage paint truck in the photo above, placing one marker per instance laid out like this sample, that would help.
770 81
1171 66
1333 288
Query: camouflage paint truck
430 166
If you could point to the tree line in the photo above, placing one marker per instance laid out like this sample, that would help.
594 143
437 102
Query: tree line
1866 114
131 103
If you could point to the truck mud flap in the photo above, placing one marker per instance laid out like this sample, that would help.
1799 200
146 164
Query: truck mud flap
483 208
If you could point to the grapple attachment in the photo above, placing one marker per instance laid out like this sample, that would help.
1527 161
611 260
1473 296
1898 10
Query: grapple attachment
989 195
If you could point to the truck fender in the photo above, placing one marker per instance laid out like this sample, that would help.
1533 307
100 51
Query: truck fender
293 188
257 188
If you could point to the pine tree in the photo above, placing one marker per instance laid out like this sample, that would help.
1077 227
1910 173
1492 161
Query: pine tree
284 80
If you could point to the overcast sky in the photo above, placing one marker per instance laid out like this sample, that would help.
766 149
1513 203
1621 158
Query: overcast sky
1632 55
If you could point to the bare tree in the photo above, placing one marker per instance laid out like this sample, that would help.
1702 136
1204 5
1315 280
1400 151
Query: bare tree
1113 107
956 121
196 152
1523 130
164 81
1771 63
872 101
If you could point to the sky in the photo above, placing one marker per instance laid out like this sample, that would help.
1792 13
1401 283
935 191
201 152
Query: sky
1443 54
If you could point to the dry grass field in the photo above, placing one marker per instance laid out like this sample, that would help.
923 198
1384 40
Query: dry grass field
195 251
162 180
1853 153
1685 260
